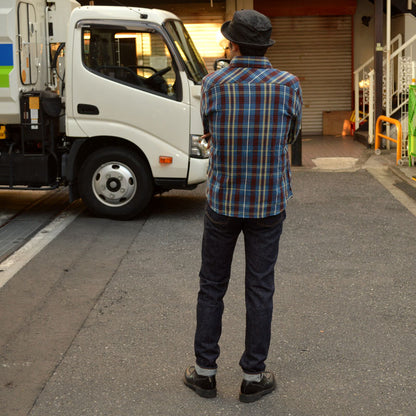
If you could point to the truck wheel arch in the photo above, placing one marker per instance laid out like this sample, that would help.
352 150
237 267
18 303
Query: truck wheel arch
82 148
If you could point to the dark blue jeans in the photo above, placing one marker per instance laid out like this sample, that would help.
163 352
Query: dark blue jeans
261 240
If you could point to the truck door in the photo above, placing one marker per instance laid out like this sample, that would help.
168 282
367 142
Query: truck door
28 54
128 85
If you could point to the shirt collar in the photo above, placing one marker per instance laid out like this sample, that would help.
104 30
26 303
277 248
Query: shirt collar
250 62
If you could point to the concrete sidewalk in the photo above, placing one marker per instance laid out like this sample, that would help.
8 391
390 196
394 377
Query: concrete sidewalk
344 329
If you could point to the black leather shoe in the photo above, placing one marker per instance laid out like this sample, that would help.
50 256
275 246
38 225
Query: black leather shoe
255 390
204 386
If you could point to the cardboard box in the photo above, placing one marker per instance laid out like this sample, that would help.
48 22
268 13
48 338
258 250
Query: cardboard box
334 123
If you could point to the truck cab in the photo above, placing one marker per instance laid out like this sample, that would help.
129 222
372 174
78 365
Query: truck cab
118 119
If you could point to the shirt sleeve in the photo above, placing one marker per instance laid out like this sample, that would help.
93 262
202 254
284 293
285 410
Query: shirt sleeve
298 103
204 107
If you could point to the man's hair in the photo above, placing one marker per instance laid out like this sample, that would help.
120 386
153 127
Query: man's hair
253 50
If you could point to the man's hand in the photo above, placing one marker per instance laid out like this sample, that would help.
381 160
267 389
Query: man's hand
207 138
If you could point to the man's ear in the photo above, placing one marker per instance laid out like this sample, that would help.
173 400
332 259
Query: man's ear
234 47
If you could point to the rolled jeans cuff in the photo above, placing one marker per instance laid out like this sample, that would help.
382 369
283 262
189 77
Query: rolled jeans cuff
208 372
253 377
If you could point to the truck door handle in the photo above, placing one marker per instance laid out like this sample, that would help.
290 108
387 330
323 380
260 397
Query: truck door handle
87 109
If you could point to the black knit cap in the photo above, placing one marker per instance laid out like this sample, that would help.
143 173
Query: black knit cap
249 28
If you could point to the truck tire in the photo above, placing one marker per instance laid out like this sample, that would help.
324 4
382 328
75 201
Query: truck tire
115 183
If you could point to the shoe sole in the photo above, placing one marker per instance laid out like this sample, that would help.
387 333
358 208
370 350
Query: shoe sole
250 398
207 394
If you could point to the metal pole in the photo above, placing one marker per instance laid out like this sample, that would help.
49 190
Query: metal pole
378 59
388 67
371 109
356 101
297 151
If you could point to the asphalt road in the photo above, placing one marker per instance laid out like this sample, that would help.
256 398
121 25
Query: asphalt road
24 213
101 321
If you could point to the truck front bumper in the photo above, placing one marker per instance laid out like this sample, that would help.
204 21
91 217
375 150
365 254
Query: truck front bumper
198 169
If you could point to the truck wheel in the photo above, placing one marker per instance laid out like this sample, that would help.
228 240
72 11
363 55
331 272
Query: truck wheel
115 183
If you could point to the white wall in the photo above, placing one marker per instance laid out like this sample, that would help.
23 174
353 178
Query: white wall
363 35
404 24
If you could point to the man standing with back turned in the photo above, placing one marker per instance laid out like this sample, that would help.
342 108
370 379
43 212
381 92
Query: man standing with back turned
250 109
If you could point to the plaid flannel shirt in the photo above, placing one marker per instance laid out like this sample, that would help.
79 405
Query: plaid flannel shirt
248 108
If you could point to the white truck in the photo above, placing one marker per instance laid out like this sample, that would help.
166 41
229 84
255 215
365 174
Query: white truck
102 99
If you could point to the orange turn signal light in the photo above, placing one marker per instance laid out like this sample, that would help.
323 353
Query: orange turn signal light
165 160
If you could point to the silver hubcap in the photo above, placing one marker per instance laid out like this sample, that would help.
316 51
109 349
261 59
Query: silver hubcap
114 184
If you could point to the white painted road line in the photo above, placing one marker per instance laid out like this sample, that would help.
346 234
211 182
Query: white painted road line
10 266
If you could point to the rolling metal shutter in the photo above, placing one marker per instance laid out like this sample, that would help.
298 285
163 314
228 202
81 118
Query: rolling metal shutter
317 49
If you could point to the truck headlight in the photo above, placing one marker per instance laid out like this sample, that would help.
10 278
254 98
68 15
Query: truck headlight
199 147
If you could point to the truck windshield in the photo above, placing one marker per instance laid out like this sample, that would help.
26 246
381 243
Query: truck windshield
195 66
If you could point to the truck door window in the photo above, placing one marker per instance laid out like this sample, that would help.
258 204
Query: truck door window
194 64
138 59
